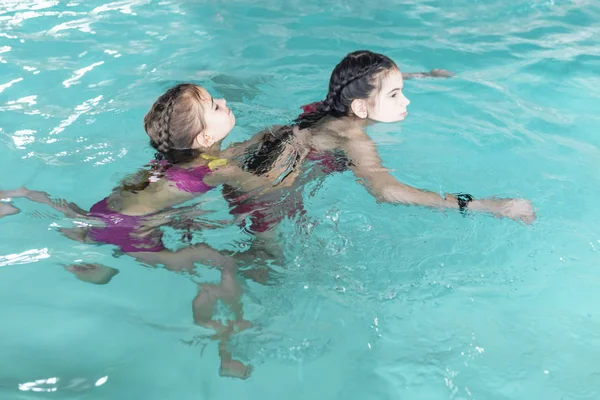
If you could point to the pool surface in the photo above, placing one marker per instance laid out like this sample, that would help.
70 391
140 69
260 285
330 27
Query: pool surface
376 301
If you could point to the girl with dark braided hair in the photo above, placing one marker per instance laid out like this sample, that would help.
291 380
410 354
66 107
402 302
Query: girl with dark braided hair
364 88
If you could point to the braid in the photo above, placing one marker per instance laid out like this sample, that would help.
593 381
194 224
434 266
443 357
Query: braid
335 101
163 141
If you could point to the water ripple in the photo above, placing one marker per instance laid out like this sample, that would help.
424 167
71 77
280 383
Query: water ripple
414 303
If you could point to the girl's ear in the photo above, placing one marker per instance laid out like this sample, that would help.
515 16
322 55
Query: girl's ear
203 140
359 108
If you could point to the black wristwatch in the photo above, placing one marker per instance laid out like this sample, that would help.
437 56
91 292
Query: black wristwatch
463 201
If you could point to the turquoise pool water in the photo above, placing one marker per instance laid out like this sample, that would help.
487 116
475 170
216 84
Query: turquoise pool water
377 301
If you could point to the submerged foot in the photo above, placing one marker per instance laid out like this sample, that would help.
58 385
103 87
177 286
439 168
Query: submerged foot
92 273
8 209
235 369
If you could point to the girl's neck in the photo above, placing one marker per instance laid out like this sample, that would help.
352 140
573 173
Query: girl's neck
343 127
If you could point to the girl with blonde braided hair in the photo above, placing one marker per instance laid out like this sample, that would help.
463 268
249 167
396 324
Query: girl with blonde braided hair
186 126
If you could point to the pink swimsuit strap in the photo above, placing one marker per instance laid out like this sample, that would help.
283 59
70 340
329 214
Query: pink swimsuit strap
189 179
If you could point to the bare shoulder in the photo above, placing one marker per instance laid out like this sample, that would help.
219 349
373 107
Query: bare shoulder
363 154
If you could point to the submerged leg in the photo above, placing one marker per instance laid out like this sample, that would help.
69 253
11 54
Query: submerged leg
229 292
185 258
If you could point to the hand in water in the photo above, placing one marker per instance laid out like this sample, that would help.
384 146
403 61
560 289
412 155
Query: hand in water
517 209
441 73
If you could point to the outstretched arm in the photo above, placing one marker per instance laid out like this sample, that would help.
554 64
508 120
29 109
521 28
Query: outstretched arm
70 210
366 165
434 73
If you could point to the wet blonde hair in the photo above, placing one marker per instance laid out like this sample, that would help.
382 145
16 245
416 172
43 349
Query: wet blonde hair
172 123
174 120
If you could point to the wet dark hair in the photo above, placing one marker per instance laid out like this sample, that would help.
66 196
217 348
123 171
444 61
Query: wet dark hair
262 156
355 77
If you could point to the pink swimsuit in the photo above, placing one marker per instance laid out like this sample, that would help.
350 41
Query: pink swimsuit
120 229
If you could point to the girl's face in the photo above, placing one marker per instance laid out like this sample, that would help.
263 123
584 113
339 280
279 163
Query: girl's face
218 119
388 104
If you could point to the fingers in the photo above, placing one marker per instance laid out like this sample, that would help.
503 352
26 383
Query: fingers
441 73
